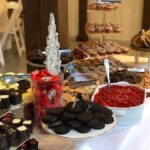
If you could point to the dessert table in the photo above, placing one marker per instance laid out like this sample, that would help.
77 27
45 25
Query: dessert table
135 137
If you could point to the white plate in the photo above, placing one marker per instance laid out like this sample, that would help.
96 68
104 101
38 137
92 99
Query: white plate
76 135
128 121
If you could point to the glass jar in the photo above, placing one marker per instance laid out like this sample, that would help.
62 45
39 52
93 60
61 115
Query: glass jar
47 89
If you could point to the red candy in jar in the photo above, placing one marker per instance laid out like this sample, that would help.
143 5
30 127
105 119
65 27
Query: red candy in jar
47 89
120 96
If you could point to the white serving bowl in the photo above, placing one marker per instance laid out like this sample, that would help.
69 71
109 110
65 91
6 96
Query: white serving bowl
127 115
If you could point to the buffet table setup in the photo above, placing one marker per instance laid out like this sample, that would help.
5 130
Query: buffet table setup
120 138
81 99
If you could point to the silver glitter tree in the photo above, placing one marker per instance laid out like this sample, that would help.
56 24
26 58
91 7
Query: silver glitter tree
53 62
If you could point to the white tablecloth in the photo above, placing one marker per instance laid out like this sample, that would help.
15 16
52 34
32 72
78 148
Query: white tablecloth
136 137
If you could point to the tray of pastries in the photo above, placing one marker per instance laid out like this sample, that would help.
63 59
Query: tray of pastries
141 40
103 6
147 80
97 49
95 67
92 28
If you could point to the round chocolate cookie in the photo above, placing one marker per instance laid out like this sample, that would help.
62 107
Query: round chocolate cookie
54 123
96 107
108 119
55 111
69 115
96 124
83 129
74 124
61 129
49 118
106 111
99 115
85 116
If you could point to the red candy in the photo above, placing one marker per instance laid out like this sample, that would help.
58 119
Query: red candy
120 96
47 89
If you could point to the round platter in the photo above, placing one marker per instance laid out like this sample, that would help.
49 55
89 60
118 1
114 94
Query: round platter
76 135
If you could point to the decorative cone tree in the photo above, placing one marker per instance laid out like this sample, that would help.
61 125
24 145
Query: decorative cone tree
53 62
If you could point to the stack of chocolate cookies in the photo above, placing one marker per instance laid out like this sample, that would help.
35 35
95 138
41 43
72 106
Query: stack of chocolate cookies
82 116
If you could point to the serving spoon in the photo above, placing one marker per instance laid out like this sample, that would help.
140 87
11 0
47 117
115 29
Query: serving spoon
106 64
11 79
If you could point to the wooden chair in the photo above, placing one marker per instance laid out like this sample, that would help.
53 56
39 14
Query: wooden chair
13 27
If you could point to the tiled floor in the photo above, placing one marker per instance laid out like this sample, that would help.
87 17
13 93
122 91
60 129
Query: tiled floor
16 64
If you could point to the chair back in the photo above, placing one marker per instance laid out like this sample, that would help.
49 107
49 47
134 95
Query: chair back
15 15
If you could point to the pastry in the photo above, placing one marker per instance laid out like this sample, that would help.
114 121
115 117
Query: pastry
22 132
117 51
110 51
12 137
99 28
3 142
103 28
78 54
99 48
16 122
28 124
92 6
103 6
108 28
96 67
91 28
15 98
5 101
137 40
